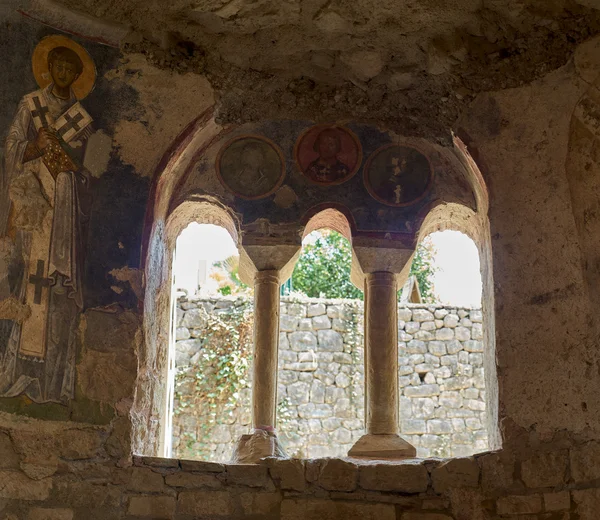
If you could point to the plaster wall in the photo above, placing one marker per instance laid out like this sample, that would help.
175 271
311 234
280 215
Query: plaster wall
74 460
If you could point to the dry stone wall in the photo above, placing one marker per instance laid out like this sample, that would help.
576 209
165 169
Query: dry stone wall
321 380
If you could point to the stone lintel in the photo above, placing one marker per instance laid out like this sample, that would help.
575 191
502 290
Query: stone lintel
373 258
382 447
261 257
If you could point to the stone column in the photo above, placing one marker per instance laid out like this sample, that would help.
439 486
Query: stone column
381 353
381 357
266 343
264 267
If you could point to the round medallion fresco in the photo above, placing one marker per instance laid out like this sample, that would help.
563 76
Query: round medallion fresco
250 166
328 155
398 175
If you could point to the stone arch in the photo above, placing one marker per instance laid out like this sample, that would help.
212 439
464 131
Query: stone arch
331 216
164 221
444 216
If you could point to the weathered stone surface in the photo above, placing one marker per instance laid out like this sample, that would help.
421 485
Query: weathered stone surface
145 480
404 478
300 341
41 513
330 340
263 504
204 503
247 475
8 458
455 473
195 319
338 475
152 506
587 501
193 480
16 486
320 509
585 462
289 473
519 504
545 469
425 516
560 501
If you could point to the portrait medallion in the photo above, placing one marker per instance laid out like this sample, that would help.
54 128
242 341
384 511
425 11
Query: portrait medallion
398 175
328 155
250 166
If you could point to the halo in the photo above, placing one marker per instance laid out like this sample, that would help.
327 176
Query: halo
83 85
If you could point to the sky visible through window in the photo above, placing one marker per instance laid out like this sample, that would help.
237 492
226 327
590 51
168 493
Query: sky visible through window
457 280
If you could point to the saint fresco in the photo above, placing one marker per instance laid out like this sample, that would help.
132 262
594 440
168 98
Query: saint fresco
328 155
397 175
44 198
251 166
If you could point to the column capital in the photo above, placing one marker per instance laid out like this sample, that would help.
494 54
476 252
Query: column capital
279 260
369 259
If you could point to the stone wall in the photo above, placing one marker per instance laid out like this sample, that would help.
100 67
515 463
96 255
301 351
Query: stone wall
321 380
67 471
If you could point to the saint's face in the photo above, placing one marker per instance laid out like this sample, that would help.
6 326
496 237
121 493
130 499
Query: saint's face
328 146
63 73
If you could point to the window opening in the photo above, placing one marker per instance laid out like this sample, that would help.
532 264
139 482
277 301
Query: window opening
213 346
441 344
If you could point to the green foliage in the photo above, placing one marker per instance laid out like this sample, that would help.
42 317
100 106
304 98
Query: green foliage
323 269
225 290
209 389
423 269
226 273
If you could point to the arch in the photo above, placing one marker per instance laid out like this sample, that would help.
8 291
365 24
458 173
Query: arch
162 226
475 224
332 216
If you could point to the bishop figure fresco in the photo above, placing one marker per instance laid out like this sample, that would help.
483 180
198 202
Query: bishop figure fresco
44 189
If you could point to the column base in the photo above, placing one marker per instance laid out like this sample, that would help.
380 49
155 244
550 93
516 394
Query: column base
382 447
252 447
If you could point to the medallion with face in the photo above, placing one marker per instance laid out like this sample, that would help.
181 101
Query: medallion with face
251 166
328 155
398 175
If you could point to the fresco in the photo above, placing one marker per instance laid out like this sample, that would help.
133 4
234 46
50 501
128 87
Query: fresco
252 167
54 217
328 155
397 175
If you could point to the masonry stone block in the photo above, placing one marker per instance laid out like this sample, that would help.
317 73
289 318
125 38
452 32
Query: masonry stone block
444 334
422 391
195 319
330 340
545 469
338 475
585 462
405 477
519 504
316 309
323 509
160 507
456 473
302 341
205 503
321 322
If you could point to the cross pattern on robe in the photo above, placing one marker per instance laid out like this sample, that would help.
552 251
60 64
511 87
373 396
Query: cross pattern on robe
71 123
40 111
39 281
